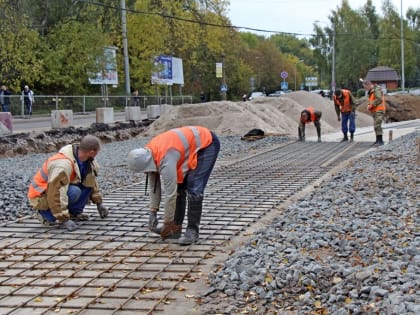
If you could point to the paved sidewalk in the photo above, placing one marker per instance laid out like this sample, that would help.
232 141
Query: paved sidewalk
367 134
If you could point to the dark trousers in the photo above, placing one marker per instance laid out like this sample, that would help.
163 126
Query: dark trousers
78 197
348 122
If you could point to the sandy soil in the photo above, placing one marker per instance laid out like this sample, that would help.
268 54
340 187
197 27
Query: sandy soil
278 115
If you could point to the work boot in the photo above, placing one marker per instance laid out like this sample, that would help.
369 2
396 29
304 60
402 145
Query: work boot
351 137
345 138
376 142
195 207
170 230
190 236
380 141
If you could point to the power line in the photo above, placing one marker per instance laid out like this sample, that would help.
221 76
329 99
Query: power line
167 16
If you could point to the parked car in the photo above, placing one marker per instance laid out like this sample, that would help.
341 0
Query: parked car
277 94
324 93
255 95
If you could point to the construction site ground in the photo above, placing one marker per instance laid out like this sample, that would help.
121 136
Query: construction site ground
115 266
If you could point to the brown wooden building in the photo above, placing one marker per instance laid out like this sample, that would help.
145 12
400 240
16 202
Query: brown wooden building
384 76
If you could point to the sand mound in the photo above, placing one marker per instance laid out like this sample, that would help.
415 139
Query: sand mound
277 115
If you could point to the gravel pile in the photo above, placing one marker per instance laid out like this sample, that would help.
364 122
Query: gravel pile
350 247
114 174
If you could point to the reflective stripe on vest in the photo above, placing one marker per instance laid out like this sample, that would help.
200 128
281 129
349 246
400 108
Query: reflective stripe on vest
39 182
345 105
186 140
380 107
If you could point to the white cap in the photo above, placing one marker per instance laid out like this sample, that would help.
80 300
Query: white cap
141 160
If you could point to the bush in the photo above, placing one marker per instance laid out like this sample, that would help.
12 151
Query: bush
361 93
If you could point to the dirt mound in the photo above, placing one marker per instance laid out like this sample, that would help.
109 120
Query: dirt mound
399 107
278 115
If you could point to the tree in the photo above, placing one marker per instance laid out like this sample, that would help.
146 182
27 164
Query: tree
71 54
20 61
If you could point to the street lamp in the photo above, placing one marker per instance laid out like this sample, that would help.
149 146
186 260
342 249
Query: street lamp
301 60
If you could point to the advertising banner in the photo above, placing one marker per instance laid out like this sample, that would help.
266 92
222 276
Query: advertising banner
107 66
219 70
168 70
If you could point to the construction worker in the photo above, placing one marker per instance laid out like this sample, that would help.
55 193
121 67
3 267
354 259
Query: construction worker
344 103
376 105
184 158
64 184
306 116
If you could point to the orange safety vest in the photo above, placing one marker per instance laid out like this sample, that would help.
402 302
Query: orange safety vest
312 116
380 107
39 182
187 141
345 105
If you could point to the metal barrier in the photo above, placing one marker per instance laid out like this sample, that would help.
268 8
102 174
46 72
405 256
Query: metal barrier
44 104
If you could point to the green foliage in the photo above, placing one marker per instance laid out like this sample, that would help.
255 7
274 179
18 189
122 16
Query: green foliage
71 51
20 62
53 45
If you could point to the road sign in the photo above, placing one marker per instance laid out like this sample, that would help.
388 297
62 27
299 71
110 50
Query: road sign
284 85
284 74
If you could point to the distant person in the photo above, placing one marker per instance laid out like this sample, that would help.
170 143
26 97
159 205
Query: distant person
244 97
376 105
183 158
202 97
28 99
65 183
345 105
4 98
136 98
306 116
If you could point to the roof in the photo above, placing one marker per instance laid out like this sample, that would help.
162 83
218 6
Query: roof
382 74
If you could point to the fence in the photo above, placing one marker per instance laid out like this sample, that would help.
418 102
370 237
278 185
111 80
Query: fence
44 104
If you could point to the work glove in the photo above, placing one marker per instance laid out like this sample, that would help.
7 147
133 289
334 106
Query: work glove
339 119
103 211
153 221
70 225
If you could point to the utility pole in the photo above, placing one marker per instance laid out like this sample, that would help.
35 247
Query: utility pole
125 46
333 62
402 51
301 60
224 87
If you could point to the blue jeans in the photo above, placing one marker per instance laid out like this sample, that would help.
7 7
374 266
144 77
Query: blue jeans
196 180
78 197
348 122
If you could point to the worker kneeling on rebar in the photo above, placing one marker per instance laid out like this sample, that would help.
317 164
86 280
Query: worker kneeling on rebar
183 158
65 183
306 116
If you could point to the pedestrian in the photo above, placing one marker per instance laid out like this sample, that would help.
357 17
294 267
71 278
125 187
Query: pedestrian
202 97
136 98
344 103
4 98
244 97
376 105
65 183
28 99
183 158
306 116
